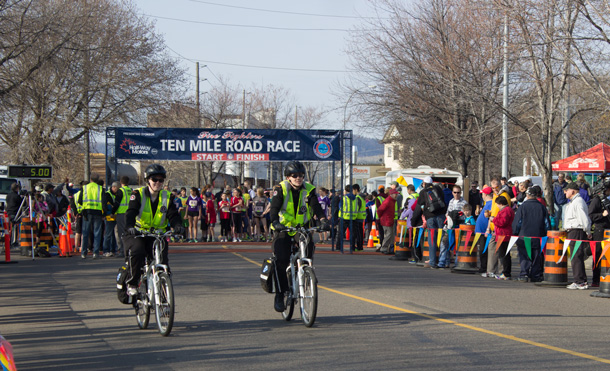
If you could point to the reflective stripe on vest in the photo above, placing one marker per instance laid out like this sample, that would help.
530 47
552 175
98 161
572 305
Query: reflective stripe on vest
125 200
79 207
286 212
346 212
360 210
92 197
380 202
145 219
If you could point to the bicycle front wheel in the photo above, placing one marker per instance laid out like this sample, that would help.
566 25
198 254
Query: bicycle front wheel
288 300
309 301
165 306
142 306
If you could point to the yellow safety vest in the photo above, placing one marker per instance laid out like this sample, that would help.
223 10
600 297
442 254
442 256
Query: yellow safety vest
360 211
79 207
286 213
125 200
347 207
92 197
109 216
380 202
147 218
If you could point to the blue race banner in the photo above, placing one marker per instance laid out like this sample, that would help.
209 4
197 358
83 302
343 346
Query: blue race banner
227 145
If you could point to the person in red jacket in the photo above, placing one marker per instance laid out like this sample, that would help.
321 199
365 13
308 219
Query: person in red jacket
503 223
386 220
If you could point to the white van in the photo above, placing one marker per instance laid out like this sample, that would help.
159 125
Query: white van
5 184
373 183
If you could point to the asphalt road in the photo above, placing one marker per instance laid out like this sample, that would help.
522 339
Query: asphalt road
374 314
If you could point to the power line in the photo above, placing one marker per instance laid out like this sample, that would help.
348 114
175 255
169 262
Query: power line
280 11
272 68
248 26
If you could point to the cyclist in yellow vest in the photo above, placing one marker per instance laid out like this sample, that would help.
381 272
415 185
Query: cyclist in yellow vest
359 210
123 200
293 204
150 208
91 200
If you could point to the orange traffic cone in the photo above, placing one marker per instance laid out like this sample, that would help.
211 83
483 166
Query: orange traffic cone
371 243
63 248
374 231
347 234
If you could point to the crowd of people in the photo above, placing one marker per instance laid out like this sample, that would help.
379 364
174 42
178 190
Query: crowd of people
501 210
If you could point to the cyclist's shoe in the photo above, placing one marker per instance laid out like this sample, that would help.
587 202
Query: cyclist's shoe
132 290
279 305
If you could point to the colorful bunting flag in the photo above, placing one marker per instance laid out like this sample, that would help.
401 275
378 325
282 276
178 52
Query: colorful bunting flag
401 180
474 243
511 243
486 243
566 243
593 245
528 246
451 236
439 236
576 246
499 240
417 183
543 241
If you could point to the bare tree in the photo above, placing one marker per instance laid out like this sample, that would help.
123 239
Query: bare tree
108 73
436 77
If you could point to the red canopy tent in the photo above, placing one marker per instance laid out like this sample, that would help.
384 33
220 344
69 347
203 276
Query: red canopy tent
593 160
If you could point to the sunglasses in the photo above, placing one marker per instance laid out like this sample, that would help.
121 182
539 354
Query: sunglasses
456 193
157 180
297 175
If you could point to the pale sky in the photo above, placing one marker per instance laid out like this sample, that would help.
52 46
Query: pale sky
307 62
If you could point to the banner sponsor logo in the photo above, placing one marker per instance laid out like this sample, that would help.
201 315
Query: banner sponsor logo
227 145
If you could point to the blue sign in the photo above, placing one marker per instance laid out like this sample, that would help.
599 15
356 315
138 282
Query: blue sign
227 145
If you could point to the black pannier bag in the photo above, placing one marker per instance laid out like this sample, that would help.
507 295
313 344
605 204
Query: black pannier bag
267 274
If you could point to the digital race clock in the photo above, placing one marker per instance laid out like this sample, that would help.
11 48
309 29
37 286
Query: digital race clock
26 171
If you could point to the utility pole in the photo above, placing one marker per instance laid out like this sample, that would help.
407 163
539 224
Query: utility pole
198 118
242 165
505 103
296 109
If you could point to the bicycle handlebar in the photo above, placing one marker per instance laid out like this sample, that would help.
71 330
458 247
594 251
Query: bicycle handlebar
155 234
302 229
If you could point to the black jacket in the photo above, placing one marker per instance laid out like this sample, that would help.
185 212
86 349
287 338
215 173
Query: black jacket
597 219
13 201
531 219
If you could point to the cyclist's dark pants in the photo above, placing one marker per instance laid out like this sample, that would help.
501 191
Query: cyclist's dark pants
281 249
136 250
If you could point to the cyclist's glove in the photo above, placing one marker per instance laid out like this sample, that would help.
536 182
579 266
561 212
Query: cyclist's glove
278 227
131 231
179 230
324 224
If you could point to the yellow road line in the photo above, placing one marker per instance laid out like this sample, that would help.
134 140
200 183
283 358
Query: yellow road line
450 322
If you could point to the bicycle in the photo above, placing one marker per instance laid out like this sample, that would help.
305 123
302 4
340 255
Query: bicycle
155 289
302 281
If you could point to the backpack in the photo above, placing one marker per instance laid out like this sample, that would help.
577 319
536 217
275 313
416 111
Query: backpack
121 285
267 275
585 195
434 203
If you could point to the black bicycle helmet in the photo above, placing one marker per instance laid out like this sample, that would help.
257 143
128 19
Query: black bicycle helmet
294 167
154 169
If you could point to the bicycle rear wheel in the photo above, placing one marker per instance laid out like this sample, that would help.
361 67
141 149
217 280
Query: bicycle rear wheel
164 308
309 301
141 305
289 301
